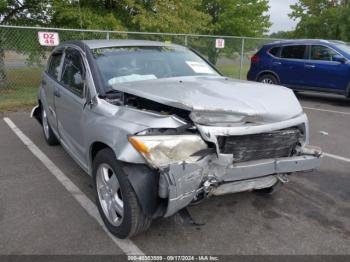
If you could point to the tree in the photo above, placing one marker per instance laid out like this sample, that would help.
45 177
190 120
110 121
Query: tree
236 17
89 14
282 34
222 17
16 12
328 19
140 15
178 16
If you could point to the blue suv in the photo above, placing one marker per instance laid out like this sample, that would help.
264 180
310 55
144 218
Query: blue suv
317 65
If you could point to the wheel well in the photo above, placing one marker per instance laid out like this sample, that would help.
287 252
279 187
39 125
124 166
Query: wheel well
143 180
268 73
36 112
95 148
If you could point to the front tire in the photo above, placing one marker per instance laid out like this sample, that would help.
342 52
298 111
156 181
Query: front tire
270 190
268 79
49 135
116 199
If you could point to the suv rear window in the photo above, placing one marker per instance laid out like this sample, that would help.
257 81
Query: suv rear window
294 51
274 51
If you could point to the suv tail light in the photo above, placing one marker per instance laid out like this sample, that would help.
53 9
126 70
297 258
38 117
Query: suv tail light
255 59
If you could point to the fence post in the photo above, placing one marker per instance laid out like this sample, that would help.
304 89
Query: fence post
107 35
242 58
3 75
186 40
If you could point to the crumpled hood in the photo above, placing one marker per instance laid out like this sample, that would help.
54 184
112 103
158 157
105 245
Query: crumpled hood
219 94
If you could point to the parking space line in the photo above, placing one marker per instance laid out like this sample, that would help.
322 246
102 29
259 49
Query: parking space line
326 110
126 245
337 157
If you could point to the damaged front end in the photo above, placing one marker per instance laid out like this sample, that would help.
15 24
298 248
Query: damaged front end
228 155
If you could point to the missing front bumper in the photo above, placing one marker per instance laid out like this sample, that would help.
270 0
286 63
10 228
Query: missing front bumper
181 183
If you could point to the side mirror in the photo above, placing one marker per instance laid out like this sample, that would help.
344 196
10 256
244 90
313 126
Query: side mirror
339 58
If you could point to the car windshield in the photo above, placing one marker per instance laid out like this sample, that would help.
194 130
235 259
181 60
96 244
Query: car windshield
345 48
129 64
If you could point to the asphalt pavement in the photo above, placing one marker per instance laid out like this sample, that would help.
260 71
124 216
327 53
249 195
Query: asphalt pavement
309 215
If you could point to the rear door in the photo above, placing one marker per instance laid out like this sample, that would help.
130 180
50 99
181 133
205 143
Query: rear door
290 66
322 72
69 104
48 83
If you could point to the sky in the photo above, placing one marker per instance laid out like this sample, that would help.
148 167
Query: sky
279 10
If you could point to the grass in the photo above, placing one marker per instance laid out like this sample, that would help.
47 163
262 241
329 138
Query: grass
232 70
20 93
21 89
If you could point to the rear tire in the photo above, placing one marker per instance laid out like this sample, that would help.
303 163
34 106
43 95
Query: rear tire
49 135
268 79
116 199
348 91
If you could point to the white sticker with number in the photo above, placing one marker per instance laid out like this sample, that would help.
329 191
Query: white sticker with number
200 68
220 43
48 38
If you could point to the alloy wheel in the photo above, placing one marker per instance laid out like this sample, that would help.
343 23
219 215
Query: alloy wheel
267 81
109 194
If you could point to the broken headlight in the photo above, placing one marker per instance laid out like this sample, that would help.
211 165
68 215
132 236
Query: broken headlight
168 149
218 118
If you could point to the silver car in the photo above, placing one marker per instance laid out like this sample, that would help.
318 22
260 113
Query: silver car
159 128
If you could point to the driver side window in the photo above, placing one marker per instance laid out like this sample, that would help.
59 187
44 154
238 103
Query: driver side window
319 52
73 72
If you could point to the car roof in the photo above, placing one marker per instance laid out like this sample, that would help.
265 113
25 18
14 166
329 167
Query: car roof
93 44
304 42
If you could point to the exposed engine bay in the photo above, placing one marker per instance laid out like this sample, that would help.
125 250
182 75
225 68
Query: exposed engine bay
146 104
229 161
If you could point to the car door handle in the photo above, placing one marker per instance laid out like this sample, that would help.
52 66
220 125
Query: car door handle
277 63
310 66
57 93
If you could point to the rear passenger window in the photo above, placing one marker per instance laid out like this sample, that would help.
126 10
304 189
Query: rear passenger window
54 65
275 51
294 52
73 72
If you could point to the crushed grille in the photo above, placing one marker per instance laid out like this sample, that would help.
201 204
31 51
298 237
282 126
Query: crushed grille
260 146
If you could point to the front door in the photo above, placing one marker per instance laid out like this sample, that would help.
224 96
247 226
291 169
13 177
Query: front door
324 73
69 103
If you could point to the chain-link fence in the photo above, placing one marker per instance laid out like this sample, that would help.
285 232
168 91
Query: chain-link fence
23 59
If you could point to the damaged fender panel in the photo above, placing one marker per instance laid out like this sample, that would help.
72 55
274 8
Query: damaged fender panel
181 182
112 125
